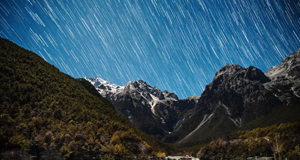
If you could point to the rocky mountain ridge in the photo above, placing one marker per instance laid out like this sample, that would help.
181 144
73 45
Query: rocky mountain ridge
154 111
236 96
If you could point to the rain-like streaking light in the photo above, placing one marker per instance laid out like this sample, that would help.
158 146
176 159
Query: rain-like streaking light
173 45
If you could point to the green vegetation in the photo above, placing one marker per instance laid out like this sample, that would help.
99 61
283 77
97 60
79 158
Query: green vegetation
278 141
46 113
283 115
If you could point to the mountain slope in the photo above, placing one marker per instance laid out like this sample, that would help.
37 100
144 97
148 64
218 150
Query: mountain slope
47 114
154 111
237 96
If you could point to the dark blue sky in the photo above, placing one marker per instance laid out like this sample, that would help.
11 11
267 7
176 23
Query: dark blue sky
175 45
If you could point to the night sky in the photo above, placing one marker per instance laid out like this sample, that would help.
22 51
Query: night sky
175 45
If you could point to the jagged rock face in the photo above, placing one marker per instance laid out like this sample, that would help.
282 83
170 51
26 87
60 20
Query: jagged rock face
285 78
236 86
236 78
235 96
154 111
241 90
239 95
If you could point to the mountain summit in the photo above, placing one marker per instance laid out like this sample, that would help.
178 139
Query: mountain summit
154 111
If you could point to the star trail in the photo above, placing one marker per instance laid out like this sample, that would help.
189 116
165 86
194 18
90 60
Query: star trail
173 45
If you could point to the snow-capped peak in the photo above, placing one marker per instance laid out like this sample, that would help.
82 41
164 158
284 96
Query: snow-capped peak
139 85
104 87
151 95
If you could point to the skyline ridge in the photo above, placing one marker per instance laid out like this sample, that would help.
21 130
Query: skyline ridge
169 44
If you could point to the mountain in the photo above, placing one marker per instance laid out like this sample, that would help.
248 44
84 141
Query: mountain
236 98
285 78
46 114
154 111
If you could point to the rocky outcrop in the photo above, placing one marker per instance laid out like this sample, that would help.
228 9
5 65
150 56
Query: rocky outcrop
285 78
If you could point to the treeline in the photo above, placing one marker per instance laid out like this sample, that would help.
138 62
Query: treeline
45 113
278 141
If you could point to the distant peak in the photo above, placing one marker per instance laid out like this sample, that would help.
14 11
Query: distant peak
104 87
141 82
102 81
236 74
228 69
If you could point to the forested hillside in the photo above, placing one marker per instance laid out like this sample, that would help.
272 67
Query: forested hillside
45 113
278 141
